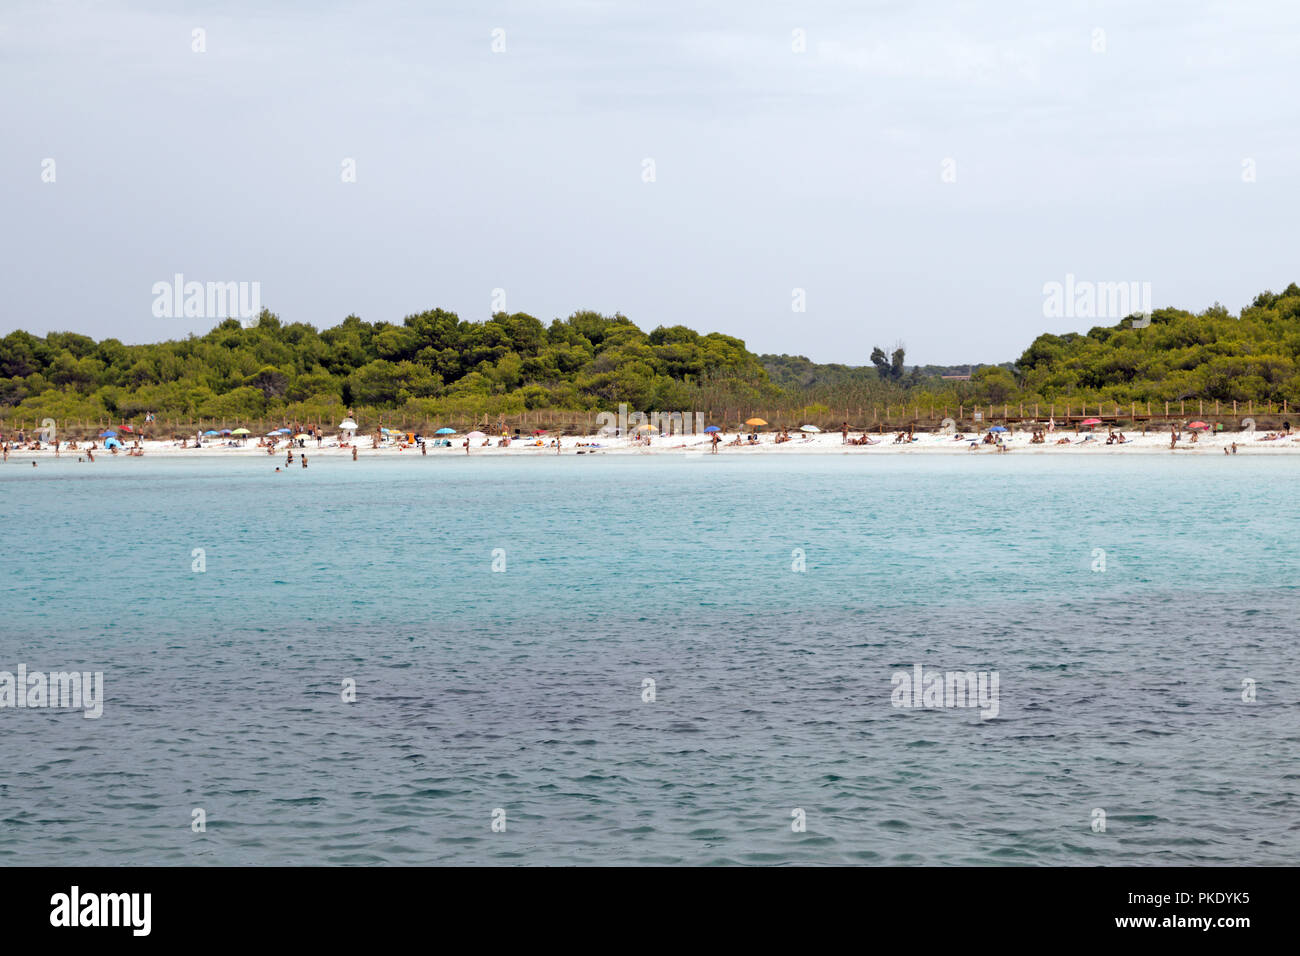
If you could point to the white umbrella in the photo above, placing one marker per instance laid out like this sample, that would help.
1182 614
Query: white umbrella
809 428
476 435
348 424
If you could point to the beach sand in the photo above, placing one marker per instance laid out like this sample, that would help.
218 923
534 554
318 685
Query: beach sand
821 444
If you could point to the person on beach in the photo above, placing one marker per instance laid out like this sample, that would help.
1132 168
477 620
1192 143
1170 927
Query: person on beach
423 449
467 446
354 452
716 441
304 461
90 452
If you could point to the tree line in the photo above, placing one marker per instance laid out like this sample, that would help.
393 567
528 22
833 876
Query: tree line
435 365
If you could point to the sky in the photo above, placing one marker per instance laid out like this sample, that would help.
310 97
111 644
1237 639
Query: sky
816 179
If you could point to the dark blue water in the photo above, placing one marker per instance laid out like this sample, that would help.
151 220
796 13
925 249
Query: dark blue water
522 690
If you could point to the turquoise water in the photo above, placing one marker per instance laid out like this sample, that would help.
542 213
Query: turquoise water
521 689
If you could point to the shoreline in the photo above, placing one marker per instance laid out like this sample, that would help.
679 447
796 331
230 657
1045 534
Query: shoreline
821 444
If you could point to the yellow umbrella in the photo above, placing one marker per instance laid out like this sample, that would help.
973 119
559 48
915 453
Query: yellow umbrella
755 421
645 428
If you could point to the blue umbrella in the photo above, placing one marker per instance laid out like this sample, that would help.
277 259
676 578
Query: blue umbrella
108 434
210 432
283 431
997 428
713 428
445 431
112 443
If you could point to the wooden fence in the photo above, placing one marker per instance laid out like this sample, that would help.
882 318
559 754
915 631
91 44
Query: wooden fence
862 418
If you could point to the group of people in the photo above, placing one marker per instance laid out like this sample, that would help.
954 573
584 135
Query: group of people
863 439
8 448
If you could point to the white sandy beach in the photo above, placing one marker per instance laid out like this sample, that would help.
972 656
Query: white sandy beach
1079 443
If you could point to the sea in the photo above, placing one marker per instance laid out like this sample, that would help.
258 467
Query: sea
651 660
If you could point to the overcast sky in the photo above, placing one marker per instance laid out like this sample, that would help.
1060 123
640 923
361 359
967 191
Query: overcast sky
1113 156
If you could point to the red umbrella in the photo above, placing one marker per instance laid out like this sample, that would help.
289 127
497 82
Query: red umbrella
539 431
1092 421
1198 425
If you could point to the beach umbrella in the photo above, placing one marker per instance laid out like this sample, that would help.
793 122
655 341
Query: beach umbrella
1091 421
645 428
348 424
997 428
240 431
713 428
302 435
284 431
476 435
108 434
209 433
112 443
809 428
1198 425
126 428
539 431
755 421
445 431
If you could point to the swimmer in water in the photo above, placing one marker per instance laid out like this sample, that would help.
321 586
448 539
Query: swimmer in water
304 461
354 452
